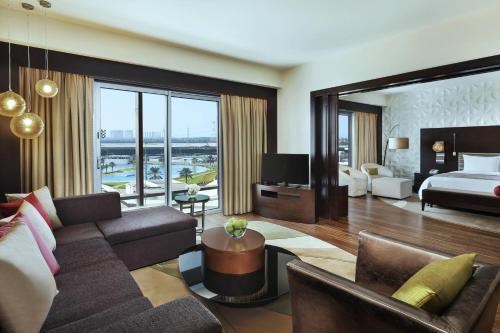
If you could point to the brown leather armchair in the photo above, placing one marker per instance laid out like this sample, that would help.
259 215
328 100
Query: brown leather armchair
326 303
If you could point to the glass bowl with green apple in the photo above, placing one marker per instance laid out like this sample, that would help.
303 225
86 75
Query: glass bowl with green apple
235 227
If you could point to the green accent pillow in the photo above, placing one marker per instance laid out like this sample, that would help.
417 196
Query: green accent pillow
435 286
347 172
372 171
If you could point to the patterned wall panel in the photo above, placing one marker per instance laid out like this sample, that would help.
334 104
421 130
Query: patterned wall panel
461 105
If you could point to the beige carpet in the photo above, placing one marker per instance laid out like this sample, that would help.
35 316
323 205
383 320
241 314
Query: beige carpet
162 283
478 221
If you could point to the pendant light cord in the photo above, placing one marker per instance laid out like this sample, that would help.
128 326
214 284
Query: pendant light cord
10 75
46 46
29 68
10 61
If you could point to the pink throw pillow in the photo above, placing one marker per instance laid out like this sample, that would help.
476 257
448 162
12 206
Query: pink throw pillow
44 250
10 208
33 200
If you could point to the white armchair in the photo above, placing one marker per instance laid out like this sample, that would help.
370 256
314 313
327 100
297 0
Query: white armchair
382 172
356 181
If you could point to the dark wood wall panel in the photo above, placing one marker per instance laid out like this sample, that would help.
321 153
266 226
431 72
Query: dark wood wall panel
474 139
117 72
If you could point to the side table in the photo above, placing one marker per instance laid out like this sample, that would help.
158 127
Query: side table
418 180
185 201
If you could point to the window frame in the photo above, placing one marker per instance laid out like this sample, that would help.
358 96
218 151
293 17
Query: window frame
139 143
349 114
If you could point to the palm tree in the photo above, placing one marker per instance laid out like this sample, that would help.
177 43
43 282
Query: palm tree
194 160
186 173
155 173
105 166
112 166
211 159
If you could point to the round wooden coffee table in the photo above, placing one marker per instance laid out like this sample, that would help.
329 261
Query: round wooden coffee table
227 255
237 272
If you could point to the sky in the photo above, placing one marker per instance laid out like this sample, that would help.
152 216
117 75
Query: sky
343 126
118 113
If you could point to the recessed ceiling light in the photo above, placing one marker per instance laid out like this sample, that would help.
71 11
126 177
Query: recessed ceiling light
45 3
27 6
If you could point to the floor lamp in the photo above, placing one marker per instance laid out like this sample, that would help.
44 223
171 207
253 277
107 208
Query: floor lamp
394 143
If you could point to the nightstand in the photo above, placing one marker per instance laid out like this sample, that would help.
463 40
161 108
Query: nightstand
419 179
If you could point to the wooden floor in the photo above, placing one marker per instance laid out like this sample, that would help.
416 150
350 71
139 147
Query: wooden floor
376 216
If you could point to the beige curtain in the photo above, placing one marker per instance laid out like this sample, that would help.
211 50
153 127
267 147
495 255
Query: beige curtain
365 137
244 140
61 158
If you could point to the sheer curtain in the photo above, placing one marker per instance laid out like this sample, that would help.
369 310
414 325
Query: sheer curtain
62 156
244 140
365 138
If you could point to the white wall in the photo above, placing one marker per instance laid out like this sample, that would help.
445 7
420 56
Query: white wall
466 38
372 98
111 45
458 105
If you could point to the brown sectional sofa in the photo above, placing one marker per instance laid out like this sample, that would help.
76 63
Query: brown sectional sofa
96 248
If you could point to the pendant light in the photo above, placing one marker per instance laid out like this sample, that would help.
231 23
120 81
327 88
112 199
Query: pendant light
46 87
28 125
11 103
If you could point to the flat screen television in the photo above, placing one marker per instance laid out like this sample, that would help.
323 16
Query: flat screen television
285 168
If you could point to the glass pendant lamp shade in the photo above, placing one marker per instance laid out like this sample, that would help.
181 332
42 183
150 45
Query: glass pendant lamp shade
46 88
11 104
27 126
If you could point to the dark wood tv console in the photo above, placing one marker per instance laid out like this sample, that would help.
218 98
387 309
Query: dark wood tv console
284 203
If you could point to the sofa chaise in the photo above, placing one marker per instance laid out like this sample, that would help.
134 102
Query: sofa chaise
96 247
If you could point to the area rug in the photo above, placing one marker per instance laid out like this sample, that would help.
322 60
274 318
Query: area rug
162 283
477 221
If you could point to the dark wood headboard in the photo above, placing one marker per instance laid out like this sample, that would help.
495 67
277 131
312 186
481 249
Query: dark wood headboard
475 139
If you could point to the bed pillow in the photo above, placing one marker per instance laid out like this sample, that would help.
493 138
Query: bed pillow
496 191
27 287
43 195
39 223
481 163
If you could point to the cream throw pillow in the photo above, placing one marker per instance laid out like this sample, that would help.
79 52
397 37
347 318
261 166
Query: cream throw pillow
43 195
39 223
27 287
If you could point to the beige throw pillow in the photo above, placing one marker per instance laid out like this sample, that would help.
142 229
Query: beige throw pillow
27 287
39 223
43 195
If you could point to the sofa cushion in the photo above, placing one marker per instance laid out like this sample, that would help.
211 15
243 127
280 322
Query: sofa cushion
80 255
144 223
27 287
77 232
183 315
45 198
106 317
88 291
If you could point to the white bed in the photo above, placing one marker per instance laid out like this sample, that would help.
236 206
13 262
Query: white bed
478 172
463 181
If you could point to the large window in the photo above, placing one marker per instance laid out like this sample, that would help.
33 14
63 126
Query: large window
345 138
150 143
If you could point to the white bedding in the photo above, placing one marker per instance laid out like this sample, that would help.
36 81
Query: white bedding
463 184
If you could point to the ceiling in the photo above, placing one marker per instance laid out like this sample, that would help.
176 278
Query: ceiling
280 33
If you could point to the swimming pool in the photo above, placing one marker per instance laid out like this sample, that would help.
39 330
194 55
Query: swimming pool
129 175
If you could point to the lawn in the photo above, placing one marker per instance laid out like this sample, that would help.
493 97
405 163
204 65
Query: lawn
116 185
201 178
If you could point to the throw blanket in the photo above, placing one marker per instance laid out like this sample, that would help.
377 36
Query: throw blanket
469 175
